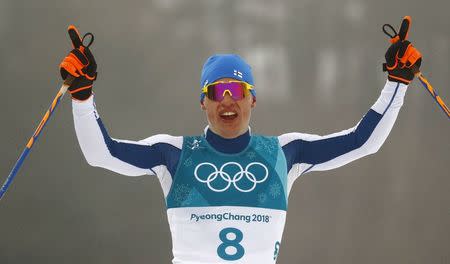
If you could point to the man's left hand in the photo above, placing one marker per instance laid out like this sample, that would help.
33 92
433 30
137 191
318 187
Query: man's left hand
402 58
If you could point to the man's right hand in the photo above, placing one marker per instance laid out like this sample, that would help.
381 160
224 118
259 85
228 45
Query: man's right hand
80 64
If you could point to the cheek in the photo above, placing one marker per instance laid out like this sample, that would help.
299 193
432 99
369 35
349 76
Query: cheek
247 112
211 114
210 110
246 107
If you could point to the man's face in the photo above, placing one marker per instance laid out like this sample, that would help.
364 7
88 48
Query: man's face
229 118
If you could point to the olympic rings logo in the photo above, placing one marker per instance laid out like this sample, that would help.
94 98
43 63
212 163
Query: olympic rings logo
231 179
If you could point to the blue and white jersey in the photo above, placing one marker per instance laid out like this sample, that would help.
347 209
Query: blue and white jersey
227 198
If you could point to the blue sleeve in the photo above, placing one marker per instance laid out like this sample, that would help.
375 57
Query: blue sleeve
158 154
323 150
313 152
144 156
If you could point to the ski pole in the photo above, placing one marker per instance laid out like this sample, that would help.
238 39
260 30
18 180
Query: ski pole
35 136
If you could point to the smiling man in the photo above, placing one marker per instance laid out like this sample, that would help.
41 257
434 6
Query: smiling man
227 84
228 115
227 189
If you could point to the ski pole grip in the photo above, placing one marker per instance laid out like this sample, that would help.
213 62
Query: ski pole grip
415 70
68 81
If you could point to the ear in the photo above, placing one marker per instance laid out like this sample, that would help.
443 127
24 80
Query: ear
253 101
202 105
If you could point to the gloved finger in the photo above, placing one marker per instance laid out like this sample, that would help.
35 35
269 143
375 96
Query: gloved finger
67 68
91 70
64 73
411 56
74 61
75 37
90 77
404 28
71 68
80 56
403 46
72 64
391 55
89 56
391 63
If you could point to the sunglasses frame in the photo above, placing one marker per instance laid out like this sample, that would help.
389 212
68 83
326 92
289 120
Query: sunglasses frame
248 87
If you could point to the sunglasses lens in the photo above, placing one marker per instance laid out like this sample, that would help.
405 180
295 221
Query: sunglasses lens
236 90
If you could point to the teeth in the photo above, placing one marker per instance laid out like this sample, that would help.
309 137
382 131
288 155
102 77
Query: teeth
228 113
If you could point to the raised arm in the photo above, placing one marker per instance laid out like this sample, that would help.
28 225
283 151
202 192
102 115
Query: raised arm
157 155
132 158
306 152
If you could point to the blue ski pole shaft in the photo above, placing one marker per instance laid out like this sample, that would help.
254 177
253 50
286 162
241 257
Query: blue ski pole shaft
35 136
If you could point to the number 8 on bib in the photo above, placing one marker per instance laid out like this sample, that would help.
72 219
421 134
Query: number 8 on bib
234 243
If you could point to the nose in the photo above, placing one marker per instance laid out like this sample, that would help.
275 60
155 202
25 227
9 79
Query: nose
227 99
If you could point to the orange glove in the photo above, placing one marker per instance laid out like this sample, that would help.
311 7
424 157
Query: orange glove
402 58
80 63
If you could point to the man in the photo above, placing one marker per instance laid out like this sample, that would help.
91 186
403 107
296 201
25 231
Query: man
227 190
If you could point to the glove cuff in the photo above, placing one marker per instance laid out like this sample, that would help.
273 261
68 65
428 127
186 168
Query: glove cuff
82 93
393 78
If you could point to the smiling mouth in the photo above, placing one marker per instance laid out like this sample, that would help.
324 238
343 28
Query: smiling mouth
228 115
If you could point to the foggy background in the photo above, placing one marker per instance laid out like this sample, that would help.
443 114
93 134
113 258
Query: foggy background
317 69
